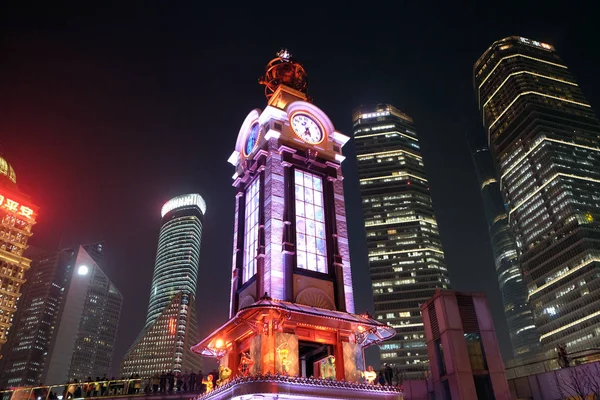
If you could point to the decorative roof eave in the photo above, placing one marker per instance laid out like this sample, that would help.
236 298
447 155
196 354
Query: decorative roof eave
301 388
367 331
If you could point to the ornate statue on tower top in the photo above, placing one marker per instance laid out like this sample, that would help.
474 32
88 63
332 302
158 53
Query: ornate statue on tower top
284 70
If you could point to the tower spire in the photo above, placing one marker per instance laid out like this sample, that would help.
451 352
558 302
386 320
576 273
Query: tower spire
283 70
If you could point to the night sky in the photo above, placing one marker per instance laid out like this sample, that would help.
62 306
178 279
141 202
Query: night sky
106 113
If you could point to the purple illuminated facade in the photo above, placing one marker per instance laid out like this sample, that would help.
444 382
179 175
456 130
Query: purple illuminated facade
292 332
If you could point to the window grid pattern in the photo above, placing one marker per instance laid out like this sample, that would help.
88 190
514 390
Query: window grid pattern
311 249
251 230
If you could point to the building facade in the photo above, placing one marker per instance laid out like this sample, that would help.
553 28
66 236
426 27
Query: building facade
17 214
543 136
171 324
524 337
25 358
87 328
406 259
292 306
463 348
67 325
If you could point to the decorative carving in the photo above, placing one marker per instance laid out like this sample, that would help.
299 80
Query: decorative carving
311 382
246 364
315 297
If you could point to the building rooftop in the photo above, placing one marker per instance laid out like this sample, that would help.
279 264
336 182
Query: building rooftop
7 171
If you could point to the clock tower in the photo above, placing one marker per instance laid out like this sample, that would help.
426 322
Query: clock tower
291 301
290 236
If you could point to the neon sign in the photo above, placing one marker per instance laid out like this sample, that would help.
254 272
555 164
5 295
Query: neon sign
15 207
172 326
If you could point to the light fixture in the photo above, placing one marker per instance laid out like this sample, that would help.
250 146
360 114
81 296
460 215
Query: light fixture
83 270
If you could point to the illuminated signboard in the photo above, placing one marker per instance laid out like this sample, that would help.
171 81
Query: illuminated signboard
537 44
375 114
14 206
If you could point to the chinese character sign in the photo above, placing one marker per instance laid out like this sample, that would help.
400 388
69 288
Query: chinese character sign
15 207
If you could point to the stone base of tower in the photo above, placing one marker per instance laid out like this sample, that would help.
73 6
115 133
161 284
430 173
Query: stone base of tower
278 349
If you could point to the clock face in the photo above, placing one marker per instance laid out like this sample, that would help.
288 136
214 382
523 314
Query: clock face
252 139
307 128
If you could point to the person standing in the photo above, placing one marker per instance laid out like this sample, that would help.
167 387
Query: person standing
155 383
200 379
192 383
179 382
381 379
104 387
97 386
215 375
186 381
163 383
171 379
388 373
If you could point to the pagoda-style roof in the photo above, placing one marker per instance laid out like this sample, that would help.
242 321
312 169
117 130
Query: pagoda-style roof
301 388
366 330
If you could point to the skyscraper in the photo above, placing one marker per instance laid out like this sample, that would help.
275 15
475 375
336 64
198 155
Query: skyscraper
544 139
519 316
405 253
36 322
292 305
67 322
17 214
171 323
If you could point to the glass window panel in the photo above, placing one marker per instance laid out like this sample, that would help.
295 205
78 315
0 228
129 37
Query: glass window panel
301 241
310 227
300 208
310 244
320 230
311 260
301 259
308 195
308 183
317 184
321 247
300 225
318 199
310 211
299 193
319 214
251 230
321 264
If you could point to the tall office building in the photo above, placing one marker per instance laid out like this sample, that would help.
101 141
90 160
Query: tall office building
171 323
27 351
67 322
17 214
519 315
544 138
405 253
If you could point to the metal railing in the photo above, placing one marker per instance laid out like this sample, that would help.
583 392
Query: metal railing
550 363
75 390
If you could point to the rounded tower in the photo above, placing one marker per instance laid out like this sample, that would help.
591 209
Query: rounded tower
178 252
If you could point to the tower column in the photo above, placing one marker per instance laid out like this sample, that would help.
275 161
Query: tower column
288 246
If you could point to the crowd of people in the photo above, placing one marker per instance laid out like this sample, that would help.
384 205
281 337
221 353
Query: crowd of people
170 382
174 382
385 377
164 383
